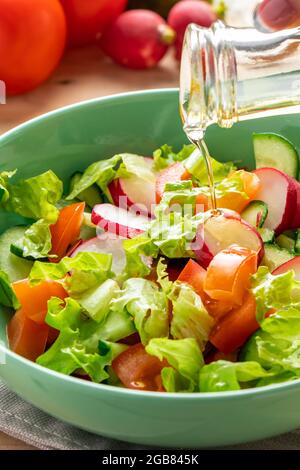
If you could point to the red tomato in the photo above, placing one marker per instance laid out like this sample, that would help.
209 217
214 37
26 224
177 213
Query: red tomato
33 299
175 172
32 41
228 274
26 337
138 370
236 327
66 230
194 275
87 19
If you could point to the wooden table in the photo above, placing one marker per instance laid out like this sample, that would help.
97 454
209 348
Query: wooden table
85 74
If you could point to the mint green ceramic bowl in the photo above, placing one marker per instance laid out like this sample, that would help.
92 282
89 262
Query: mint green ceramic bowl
67 140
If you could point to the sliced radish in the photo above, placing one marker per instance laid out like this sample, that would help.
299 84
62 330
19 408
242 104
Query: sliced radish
278 191
221 231
119 221
293 264
134 191
106 243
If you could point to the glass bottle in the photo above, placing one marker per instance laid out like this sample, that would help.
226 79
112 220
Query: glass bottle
230 74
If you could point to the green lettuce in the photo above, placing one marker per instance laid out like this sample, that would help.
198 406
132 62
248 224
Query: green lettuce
4 178
165 156
274 291
185 359
135 249
196 166
222 376
96 302
104 172
35 197
36 242
147 305
87 271
79 345
8 297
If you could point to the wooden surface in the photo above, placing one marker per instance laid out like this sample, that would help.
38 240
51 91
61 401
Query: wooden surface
85 74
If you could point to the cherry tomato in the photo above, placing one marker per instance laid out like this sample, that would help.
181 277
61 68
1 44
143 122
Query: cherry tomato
26 337
33 299
66 230
138 370
32 41
87 19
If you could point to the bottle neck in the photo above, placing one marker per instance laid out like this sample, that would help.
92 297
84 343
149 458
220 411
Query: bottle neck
229 74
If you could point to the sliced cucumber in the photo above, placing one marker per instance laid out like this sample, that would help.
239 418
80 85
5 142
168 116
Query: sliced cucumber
267 235
283 241
275 151
297 242
255 213
16 268
275 256
90 195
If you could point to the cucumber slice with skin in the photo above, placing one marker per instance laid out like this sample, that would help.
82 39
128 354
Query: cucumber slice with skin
274 151
267 235
91 196
275 256
255 213
283 241
16 268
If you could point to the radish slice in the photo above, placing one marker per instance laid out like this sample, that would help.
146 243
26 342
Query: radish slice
134 191
119 221
106 243
221 231
293 264
278 191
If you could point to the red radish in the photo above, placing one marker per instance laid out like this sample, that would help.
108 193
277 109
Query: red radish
137 39
293 264
134 192
189 11
220 232
119 221
171 174
278 191
106 243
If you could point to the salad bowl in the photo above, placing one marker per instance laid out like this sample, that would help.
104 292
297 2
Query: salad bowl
68 140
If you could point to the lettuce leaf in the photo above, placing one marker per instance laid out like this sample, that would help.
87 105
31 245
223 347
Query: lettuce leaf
8 297
96 302
185 359
196 166
147 305
135 248
87 271
35 197
222 376
165 156
274 291
4 178
36 242
79 344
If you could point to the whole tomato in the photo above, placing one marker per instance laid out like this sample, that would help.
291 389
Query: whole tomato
32 41
87 19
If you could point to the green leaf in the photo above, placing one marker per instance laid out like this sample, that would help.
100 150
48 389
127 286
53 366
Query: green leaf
4 178
97 301
35 197
135 248
186 359
8 297
165 156
87 271
147 305
221 376
274 291
36 242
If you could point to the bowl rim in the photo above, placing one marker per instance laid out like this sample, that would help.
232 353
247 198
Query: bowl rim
78 382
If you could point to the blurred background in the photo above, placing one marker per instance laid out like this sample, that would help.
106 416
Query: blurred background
57 52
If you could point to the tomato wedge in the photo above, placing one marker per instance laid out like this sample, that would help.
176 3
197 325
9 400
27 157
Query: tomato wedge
26 337
175 172
235 200
228 274
236 327
138 370
66 230
194 275
33 299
